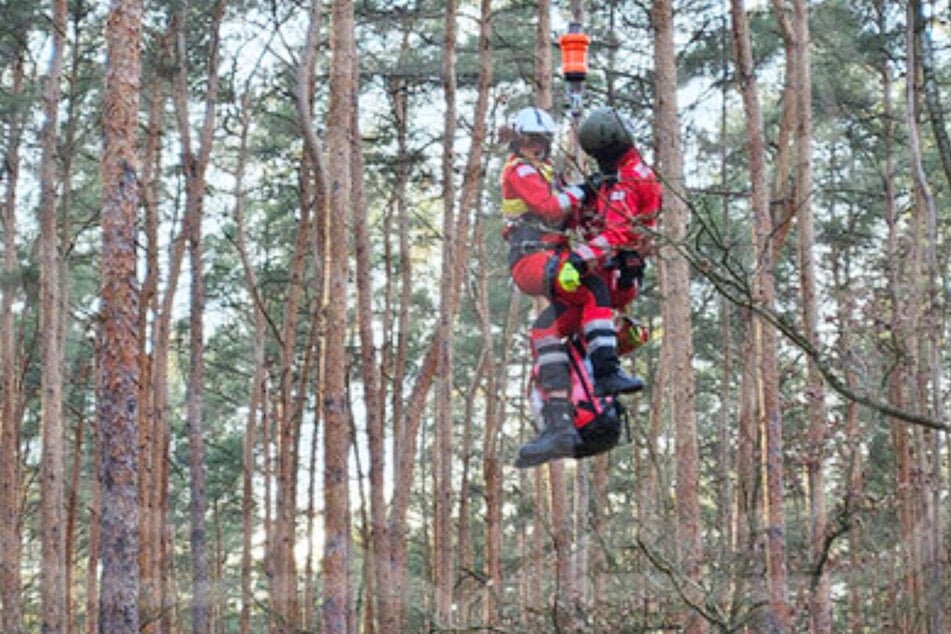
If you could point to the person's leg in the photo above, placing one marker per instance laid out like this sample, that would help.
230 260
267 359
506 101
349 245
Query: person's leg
559 437
597 326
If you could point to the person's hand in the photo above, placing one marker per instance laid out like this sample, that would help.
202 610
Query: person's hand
569 278
592 184
631 266
590 192
569 275
576 194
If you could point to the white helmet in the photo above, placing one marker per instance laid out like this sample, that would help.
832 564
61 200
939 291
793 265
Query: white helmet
533 121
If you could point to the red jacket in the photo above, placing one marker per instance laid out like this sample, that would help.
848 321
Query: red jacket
534 210
625 203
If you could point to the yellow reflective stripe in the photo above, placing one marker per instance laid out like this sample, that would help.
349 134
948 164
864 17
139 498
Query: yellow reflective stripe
513 207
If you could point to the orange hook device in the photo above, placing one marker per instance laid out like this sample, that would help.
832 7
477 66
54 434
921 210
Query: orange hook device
574 54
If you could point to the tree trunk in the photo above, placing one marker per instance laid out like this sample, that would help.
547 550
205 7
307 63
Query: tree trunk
442 530
899 331
118 347
387 567
256 399
922 33
194 166
726 454
150 428
336 604
677 309
491 461
72 504
10 410
820 606
95 533
927 332
53 554
766 337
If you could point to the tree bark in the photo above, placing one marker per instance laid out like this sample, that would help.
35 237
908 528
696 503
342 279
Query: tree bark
194 168
926 333
443 494
10 392
95 533
150 424
118 347
53 553
765 335
336 604
256 399
820 605
677 310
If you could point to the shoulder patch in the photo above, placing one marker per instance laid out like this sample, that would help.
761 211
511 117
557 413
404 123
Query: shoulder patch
642 170
525 169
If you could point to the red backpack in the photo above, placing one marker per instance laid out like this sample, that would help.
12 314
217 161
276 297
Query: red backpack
597 418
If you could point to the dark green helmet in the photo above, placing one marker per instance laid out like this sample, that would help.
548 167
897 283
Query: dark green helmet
606 135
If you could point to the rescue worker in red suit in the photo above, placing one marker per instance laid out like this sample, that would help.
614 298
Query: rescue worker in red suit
535 215
624 208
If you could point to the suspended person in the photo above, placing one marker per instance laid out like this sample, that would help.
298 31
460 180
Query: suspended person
623 208
535 213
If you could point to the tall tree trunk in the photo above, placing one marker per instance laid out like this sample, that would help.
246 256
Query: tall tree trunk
748 576
387 597
53 564
766 337
443 541
194 400
255 404
150 427
928 333
899 330
491 461
72 504
677 308
926 59
118 347
194 167
336 604
726 454
10 410
378 604
95 533
820 606
315 195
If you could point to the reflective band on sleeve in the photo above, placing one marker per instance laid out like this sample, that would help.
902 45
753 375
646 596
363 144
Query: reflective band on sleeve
513 207
586 252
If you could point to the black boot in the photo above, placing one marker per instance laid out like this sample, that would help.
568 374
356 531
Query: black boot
617 382
557 440
609 378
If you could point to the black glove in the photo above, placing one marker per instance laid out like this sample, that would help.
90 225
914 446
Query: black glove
578 262
595 180
631 266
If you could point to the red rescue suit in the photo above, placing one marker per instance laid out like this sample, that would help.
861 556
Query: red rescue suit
627 202
535 217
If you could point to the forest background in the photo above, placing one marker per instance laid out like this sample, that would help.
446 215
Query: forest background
263 368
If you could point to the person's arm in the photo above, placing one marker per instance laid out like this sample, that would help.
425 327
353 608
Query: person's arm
528 184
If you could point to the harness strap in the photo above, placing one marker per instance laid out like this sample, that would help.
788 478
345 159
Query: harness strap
551 272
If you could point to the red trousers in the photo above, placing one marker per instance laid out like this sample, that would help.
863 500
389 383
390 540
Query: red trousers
587 310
